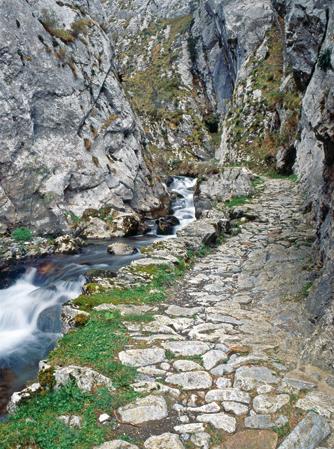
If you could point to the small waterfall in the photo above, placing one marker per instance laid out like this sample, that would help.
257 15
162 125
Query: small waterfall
183 205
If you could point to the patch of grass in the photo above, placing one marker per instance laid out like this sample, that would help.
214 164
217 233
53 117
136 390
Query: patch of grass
257 181
169 354
282 431
275 175
64 35
145 318
306 289
21 235
236 201
95 345
35 422
154 291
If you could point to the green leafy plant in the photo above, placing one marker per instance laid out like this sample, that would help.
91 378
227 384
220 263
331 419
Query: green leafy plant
21 235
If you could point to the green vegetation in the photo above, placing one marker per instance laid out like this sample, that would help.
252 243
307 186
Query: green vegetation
237 201
324 59
282 431
36 423
68 36
21 235
275 175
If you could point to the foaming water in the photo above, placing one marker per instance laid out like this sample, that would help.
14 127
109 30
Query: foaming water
183 206
22 328
30 309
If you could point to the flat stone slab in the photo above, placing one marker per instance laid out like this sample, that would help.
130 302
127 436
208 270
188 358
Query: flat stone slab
267 404
150 408
228 394
252 439
183 311
235 407
308 434
186 348
193 380
213 357
142 357
219 421
190 428
212 407
186 365
116 444
248 378
164 441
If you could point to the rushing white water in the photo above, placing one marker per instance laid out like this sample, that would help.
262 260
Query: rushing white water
183 207
22 328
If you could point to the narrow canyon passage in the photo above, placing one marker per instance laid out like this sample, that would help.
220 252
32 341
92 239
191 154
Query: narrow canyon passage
221 360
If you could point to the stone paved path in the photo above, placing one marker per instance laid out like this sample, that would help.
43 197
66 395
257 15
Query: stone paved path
220 362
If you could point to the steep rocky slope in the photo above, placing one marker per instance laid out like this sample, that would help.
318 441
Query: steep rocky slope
179 62
69 138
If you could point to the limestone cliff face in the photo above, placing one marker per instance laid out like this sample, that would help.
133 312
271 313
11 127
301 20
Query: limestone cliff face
179 62
69 138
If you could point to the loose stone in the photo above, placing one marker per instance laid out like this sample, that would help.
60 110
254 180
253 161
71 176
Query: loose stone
193 380
211 358
150 408
164 441
186 348
183 311
186 365
228 394
248 378
219 421
270 404
142 357
116 444
212 407
259 422
190 428
201 439
235 407
104 418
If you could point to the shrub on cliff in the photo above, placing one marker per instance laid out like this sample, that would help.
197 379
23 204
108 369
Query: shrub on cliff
21 235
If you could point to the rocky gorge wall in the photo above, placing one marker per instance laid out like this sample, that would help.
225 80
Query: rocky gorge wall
280 118
70 140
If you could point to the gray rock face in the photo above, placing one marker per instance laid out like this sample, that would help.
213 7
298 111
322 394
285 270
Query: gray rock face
314 165
306 22
70 140
308 434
